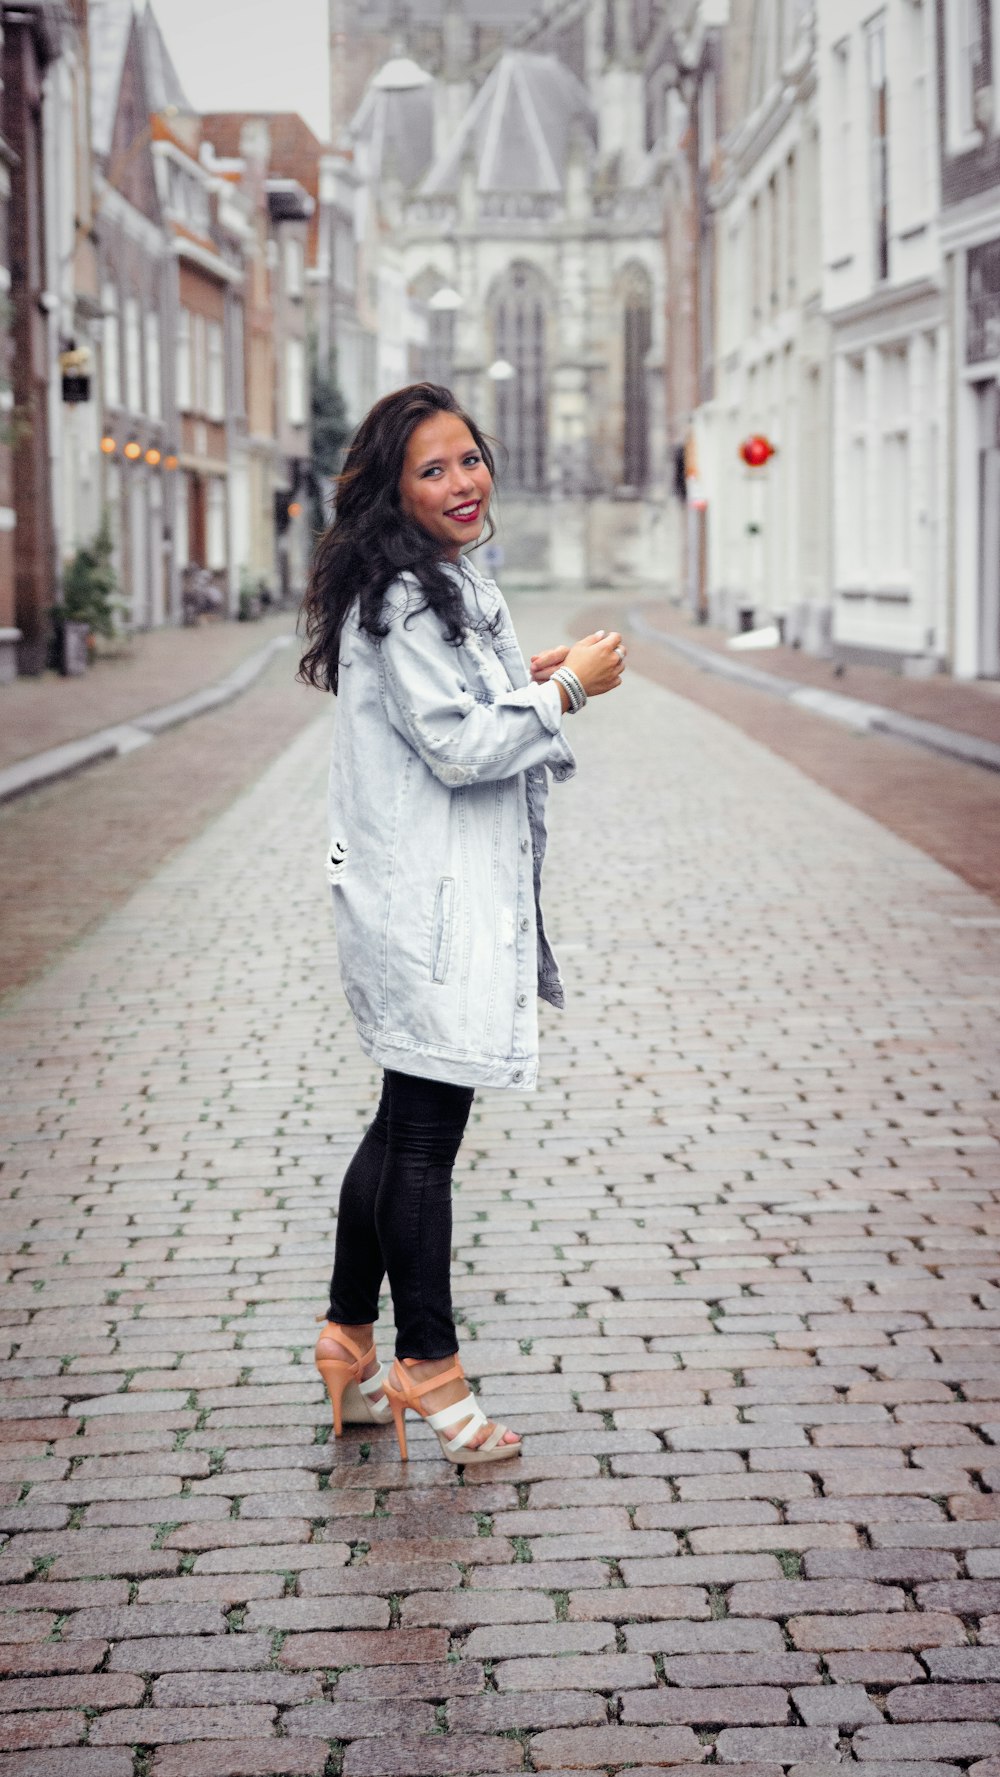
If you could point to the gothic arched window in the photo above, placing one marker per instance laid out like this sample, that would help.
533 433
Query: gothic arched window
637 323
432 361
519 311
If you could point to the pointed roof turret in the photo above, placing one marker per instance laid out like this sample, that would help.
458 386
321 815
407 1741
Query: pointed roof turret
518 128
394 124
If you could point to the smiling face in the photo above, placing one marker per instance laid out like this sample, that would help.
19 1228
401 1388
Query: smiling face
445 486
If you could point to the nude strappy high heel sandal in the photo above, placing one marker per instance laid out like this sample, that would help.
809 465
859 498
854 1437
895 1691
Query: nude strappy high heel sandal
350 1397
408 1396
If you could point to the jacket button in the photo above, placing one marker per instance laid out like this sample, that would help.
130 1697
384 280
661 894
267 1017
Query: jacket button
525 923
525 845
517 1075
522 999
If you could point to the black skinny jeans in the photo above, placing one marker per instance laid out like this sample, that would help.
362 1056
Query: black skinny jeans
395 1215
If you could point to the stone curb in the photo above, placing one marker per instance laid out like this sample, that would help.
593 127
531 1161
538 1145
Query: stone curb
870 718
125 737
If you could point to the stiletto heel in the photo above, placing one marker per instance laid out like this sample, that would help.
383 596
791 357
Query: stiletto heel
402 1394
350 1395
398 1408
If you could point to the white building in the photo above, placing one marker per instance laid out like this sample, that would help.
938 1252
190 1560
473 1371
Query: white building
884 298
768 526
969 95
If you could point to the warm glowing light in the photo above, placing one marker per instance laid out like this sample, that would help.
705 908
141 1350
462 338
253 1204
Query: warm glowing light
170 462
133 450
108 446
152 458
294 509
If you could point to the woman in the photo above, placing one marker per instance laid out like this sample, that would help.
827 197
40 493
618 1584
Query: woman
437 795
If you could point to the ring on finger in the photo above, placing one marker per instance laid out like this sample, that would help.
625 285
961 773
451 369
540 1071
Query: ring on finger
621 654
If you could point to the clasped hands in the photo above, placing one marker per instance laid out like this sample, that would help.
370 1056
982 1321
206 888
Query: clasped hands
598 662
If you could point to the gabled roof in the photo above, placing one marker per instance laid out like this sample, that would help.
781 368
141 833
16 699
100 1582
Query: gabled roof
110 22
109 29
394 124
518 128
163 84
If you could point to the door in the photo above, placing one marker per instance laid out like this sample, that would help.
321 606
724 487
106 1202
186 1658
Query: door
989 561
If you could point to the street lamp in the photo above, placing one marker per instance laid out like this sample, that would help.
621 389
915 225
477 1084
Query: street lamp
501 371
446 300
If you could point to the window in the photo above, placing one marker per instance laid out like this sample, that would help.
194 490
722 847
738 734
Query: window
983 324
755 264
894 529
842 169
791 227
295 382
133 355
112 347
154 402
185 379
916 168
198 364
216 553
773 243
638 308
706 119
878 145
238 375
294 266
854 526
970 57
215 381
519 312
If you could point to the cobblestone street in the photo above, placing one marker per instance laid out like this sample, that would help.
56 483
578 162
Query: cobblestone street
733 1271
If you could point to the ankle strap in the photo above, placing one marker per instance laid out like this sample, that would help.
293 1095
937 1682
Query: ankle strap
413 1391
343 1337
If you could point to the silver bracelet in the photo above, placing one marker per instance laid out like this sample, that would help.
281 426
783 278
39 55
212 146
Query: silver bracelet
571 685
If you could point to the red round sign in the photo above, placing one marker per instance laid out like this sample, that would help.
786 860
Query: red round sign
756 450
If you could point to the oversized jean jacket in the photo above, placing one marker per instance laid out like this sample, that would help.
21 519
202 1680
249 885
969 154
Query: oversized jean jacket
437 835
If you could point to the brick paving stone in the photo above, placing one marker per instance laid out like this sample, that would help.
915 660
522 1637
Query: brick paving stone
49 1727
444 1755
96 1690
539 1709
88 1761
707 1707
910 1629
945 1702
588 1749
785 1745
154 1727
241 1758
836 1705
742 1669
960 1740
598 1672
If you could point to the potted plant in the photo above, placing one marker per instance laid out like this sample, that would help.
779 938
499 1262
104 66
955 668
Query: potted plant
89 601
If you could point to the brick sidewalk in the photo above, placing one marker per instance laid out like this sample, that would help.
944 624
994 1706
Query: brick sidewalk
733 1271
970 706
159 666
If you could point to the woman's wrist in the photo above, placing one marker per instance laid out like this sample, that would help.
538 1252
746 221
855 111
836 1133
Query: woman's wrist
571 691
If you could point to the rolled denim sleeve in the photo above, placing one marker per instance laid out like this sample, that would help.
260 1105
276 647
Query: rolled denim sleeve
459 739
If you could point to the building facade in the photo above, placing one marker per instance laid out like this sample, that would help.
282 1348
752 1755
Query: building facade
884 299
967 40
768 531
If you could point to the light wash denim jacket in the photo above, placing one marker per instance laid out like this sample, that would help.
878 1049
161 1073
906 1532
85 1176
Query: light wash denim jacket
437 835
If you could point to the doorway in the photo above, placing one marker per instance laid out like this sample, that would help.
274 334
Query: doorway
989 531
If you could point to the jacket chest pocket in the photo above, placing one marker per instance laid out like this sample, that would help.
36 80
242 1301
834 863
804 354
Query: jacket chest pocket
442 926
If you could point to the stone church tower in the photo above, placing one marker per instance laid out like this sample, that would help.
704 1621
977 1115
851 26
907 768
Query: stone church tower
512 249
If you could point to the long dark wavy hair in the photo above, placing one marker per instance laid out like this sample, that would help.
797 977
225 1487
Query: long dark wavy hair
371 540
